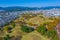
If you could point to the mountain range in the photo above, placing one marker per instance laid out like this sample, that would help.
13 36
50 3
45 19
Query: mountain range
19 8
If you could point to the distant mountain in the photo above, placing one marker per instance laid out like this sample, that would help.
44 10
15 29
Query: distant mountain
49 7
16 8
1 8
19 8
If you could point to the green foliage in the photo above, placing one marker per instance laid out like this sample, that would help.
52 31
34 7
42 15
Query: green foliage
7 28
42 29
52 34
49 33
13 24
27 29
7 37
55 38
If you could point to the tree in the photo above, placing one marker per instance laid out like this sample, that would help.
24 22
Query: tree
8 29
42 29
27 29
7 37
49 33
13 24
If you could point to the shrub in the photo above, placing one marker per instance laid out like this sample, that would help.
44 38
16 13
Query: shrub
49 33
8 29
13 24
7 37
42 29
27 29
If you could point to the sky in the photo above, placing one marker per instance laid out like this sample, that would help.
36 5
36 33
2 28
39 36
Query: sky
29 3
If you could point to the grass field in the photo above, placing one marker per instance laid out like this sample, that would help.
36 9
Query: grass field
34 36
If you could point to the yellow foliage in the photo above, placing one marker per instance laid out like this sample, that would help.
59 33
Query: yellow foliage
53 24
